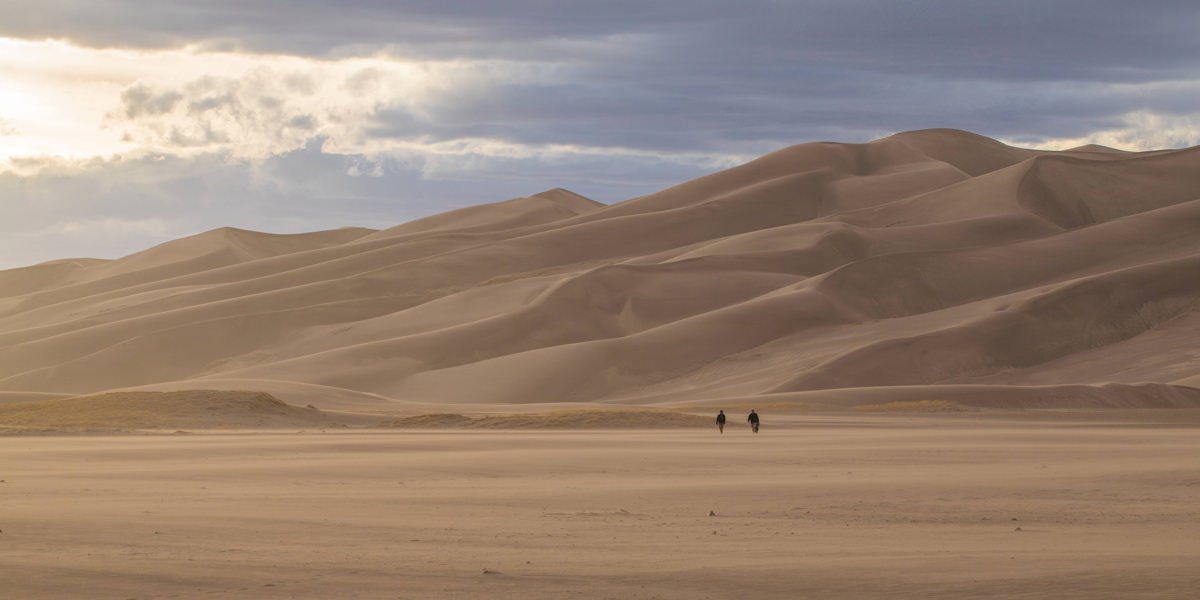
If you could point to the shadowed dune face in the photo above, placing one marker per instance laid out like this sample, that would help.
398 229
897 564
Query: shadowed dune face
929 258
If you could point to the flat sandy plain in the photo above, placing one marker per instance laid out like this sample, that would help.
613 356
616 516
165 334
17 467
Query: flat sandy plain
1030 505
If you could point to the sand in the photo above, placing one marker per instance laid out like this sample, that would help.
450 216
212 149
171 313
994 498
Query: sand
914 506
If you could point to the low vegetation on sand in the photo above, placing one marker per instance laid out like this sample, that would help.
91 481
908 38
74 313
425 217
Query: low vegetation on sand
201 409
918 406
569 419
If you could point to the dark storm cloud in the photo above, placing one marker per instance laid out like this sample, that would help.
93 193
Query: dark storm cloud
314 26
1014 39
840 107
699 74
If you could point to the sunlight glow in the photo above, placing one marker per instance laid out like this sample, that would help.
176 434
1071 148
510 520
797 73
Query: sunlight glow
65 101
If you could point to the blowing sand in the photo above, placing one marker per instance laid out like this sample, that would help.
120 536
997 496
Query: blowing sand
831 507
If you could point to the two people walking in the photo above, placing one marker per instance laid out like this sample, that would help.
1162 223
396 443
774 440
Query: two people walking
752 419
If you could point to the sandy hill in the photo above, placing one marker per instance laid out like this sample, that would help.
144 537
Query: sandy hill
927 260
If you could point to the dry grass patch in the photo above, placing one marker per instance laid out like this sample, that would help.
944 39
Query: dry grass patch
569 419
914 406
201 409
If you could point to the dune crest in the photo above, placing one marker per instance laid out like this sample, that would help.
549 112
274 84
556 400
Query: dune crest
927 259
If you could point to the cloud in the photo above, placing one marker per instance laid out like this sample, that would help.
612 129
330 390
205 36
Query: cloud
268 107
380 105
307 114
258 112
109 226
1016 39
140 100
668 76
1139 130
604 110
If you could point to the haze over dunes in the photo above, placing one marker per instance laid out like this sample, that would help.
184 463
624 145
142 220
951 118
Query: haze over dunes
930 265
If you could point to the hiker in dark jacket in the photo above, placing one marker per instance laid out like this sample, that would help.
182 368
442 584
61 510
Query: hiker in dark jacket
753 419
721 421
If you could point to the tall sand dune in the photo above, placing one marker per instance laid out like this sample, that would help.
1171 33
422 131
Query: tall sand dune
927 260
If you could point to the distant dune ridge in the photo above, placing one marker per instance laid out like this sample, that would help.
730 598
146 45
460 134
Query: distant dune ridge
935 260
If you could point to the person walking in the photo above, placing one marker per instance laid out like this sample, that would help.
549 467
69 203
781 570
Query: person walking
721 421
753 419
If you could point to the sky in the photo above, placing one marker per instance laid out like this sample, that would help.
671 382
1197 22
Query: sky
124 124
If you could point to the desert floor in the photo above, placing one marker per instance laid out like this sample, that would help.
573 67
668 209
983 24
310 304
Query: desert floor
814 507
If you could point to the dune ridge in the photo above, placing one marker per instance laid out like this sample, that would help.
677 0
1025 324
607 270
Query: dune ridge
927 259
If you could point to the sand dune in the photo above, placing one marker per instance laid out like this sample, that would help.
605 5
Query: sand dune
927 260
16 282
